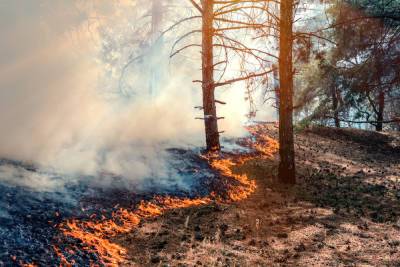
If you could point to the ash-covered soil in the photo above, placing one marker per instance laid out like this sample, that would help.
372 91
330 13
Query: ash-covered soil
30 212
345 211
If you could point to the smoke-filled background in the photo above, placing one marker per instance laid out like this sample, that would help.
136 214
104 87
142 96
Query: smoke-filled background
70 103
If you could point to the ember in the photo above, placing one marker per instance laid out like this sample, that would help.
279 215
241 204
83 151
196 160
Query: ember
199 133
95 235
77 225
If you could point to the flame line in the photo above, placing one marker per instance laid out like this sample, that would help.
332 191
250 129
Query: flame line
95 235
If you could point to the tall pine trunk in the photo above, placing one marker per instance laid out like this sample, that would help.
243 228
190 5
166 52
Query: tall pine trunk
381 109
335 105
208 87
286 139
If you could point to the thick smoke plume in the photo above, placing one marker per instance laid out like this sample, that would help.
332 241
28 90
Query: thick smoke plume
59 104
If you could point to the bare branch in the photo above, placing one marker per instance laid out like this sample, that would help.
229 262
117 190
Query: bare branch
220 102
253 75
183 48
183 37
196 6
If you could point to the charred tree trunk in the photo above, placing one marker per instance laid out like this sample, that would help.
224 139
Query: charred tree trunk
208 86
286 139
335 105
381 110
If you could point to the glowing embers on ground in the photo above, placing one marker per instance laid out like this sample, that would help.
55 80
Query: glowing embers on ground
264 144
96 234
238 191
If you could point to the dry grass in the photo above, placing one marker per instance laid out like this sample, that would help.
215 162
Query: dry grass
345 211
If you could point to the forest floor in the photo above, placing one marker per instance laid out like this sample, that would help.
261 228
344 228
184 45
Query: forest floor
344 211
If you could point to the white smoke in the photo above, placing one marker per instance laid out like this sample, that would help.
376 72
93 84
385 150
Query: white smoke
59 104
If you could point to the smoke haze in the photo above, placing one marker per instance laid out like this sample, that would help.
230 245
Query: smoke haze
59 109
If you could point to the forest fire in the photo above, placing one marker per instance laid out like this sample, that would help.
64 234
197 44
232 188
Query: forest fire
95 235
123 133
266 145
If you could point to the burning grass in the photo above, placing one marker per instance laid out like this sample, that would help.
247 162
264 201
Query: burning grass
96 235
325 220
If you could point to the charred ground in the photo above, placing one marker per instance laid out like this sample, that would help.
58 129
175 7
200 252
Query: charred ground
344 211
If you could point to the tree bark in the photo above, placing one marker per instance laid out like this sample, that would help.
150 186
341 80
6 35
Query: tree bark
286 138
335 104
208 86
381 109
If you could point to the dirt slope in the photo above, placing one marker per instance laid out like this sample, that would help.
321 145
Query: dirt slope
345 211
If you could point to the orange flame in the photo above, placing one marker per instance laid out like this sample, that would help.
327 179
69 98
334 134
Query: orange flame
95 235
264 144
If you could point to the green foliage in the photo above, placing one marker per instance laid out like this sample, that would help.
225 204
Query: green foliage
387 10
303 124
348 79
